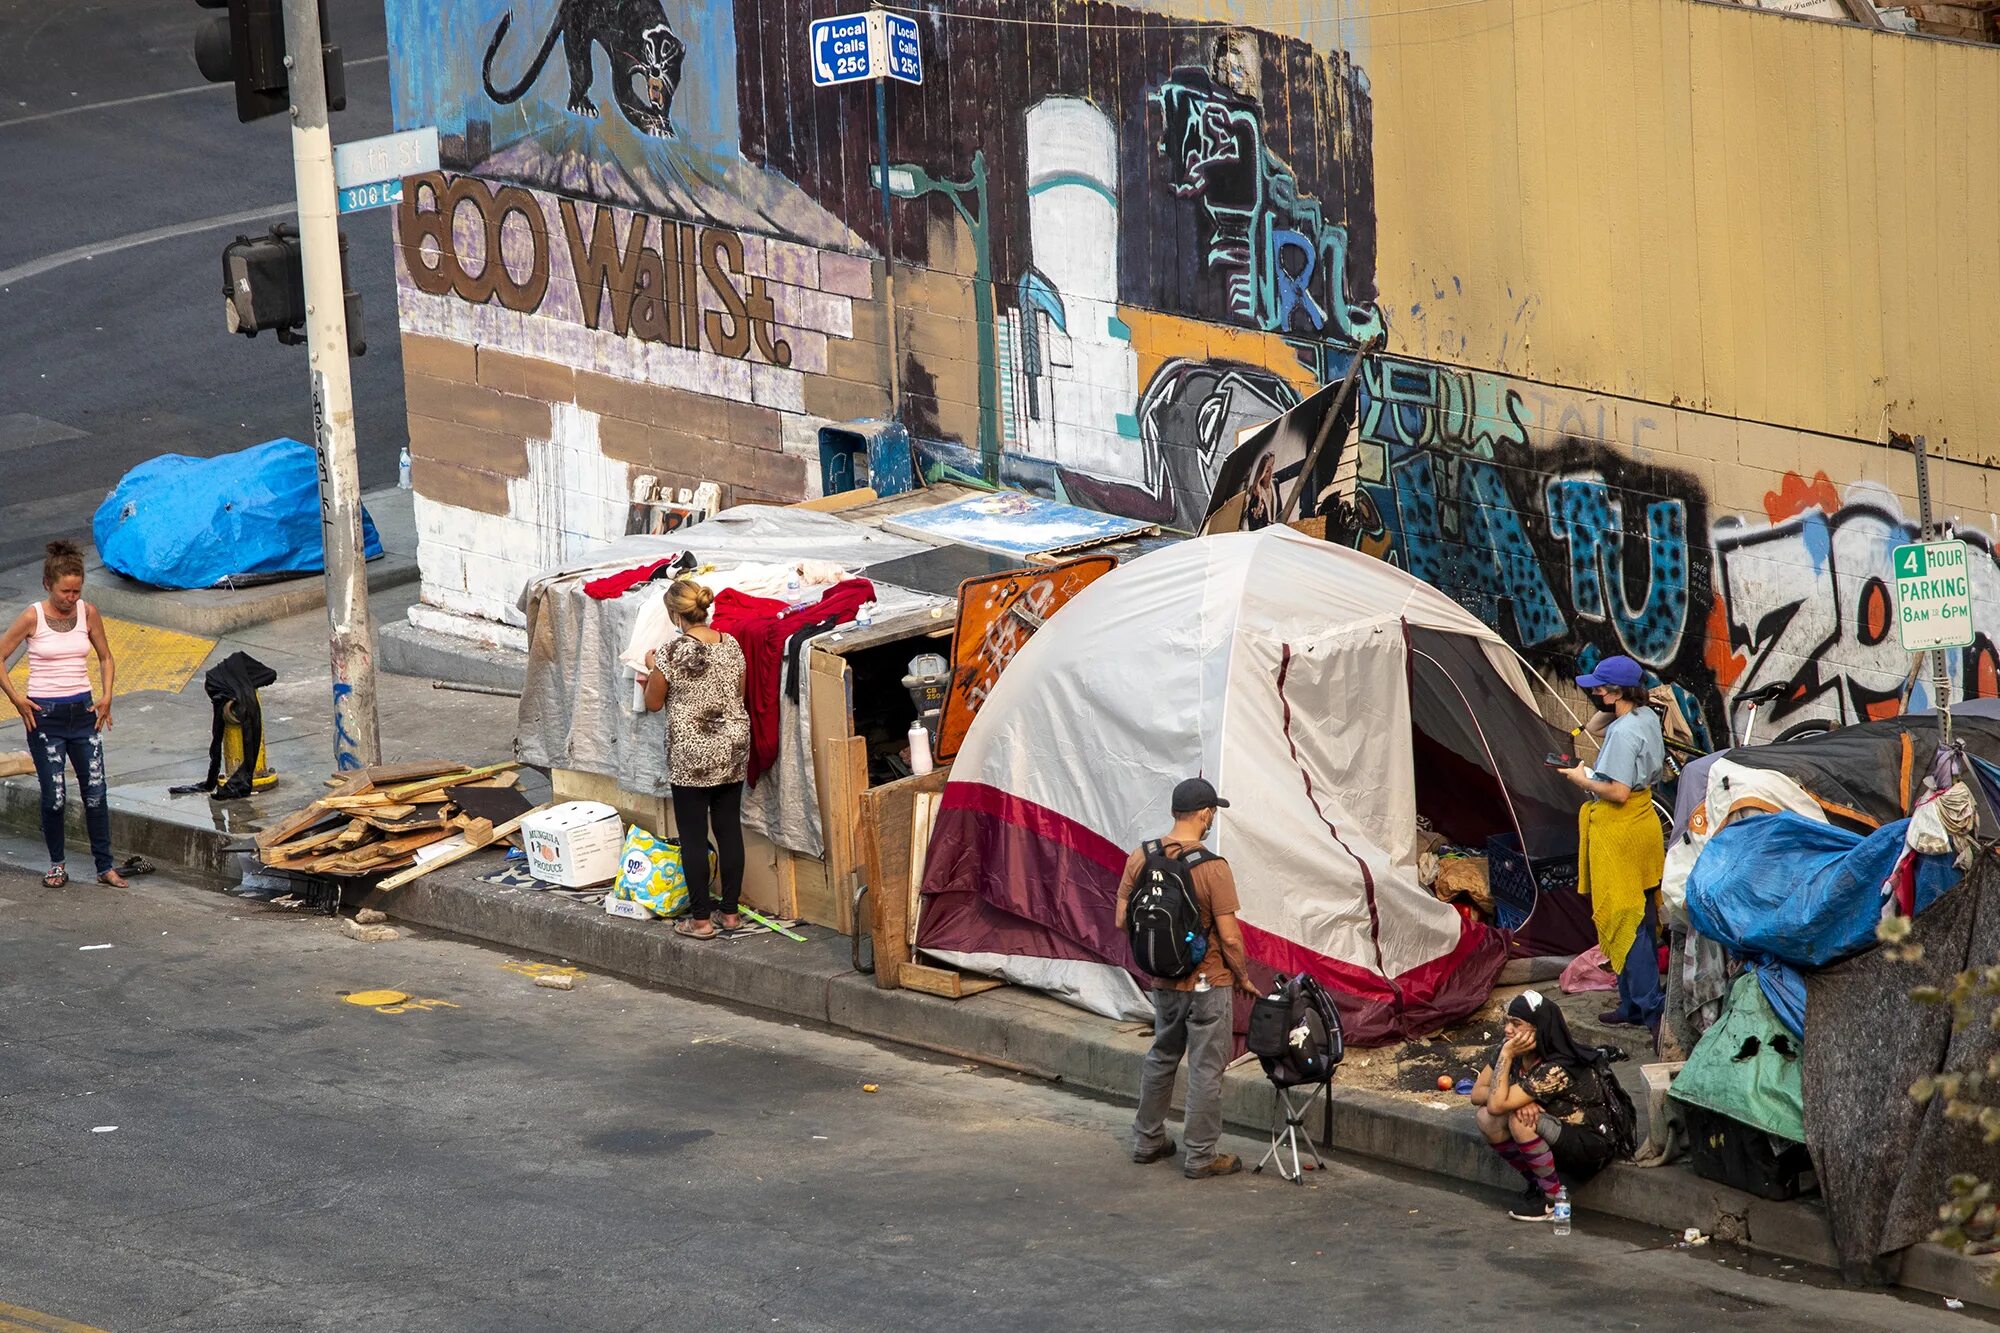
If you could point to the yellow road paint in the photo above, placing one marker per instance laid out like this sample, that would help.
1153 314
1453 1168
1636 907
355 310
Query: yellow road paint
370 998
20 1319
540 969
408 1005
149 658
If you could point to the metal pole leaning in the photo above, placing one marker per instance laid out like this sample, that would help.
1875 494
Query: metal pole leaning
357 735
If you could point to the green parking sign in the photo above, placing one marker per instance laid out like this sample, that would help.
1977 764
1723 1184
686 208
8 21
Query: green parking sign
1933 595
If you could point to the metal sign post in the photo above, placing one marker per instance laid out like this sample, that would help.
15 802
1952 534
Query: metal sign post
357 735
873 47
1933 594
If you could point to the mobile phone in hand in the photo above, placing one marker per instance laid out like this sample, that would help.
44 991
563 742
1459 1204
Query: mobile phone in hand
1554 760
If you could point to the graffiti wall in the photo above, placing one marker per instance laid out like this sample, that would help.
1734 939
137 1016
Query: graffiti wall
1120 236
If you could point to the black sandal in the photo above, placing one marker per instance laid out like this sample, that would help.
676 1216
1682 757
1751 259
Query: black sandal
135 865
56 878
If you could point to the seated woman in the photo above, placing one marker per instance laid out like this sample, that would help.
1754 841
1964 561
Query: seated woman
1541 1105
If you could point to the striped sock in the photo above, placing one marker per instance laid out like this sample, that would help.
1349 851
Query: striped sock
1538 1163
1510 1153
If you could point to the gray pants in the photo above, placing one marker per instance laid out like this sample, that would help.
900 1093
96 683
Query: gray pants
1196 1024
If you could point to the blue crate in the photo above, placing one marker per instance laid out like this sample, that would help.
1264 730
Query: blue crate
1515 882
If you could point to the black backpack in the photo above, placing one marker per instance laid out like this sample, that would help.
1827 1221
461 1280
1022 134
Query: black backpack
1295 1032
1621 1117
1163 918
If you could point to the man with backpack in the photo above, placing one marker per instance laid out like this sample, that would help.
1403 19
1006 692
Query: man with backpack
1177 904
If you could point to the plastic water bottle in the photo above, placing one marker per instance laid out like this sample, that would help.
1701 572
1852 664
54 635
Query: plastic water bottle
1560 1215
920 749
792 595
403 469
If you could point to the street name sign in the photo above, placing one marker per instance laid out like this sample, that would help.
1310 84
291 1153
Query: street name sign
860 48
369 172
1933 595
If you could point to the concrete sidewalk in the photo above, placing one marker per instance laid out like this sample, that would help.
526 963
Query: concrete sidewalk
161 740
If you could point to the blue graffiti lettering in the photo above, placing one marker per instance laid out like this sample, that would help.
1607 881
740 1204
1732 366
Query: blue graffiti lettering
1584 514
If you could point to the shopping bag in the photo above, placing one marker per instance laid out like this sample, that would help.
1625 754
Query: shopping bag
650 874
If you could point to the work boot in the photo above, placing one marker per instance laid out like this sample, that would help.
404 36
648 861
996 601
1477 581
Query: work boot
1147 1156
1222 1164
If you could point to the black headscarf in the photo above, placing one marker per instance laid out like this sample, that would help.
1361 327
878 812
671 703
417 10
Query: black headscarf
1553 1042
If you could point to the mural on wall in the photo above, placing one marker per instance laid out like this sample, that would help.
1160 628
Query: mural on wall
645 58
1809 603
485 73
1120 245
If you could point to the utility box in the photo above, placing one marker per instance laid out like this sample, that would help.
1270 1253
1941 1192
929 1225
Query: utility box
875 454
575 845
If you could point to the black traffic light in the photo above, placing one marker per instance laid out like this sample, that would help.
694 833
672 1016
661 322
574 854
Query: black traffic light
247 47
264 287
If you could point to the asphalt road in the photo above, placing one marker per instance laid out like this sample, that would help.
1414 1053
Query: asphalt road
110 356
498 1156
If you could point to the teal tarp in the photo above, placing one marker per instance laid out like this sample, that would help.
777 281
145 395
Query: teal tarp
1763 1089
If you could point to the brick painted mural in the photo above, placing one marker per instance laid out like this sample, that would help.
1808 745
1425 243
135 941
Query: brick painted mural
655 249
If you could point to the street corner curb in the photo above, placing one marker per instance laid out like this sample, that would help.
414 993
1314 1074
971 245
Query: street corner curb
203 853
409 650
214 612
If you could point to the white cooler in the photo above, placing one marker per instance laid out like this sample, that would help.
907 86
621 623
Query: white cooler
576 844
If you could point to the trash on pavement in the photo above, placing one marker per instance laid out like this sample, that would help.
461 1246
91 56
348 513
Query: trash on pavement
102 1129
86 948
367 934
556 981
871 1087
1953 1303
368 916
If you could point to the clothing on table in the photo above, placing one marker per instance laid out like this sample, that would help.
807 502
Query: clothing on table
59 660
1620 854
795 651
1198 1024
1634 750
617 585
701 814
811 577
708 729
67 728
764 640
733 610
1214 895
651 627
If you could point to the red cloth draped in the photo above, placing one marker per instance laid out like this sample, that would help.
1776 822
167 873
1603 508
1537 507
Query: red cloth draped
764 626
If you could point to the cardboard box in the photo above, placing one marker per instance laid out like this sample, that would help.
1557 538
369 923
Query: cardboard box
625 907
575 845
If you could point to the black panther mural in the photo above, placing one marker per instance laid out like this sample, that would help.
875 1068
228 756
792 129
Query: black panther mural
645 59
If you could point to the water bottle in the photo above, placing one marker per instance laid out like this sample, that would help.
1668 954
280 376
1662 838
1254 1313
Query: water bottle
403 469
920 749
1560 1216
793 598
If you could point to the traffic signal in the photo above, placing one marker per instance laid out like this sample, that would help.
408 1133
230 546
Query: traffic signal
264 287
246 47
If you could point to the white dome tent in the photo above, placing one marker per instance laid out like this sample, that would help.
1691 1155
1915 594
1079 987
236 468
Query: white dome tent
1329 696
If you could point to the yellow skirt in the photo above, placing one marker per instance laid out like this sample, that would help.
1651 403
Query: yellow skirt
1620 855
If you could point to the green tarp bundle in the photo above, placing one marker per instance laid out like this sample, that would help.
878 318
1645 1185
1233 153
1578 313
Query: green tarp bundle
1740 1068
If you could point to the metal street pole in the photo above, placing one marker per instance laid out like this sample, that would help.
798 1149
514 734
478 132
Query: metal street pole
357 735
888 249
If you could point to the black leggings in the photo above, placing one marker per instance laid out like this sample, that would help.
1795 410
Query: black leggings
701 812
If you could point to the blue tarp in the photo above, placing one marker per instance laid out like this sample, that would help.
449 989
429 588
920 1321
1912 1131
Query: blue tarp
180 522
1789 888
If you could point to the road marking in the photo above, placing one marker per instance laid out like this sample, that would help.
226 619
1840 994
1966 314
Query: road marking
540 969
146 97
393 1002
34 268
20 1319
149 658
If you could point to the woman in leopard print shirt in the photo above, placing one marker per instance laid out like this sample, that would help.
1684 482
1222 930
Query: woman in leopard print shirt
698 677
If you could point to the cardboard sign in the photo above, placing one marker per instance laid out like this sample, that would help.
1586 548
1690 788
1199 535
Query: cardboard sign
996 616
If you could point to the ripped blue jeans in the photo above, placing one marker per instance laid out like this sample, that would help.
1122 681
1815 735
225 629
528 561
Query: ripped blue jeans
68 727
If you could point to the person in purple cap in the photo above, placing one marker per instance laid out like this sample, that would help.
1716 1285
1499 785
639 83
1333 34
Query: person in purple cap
1620 849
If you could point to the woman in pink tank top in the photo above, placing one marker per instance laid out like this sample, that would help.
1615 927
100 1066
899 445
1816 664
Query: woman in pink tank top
63 722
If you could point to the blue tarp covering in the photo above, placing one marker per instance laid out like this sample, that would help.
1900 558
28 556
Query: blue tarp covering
180 522
1793 889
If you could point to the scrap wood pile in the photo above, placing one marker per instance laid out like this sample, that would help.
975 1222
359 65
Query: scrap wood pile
378 820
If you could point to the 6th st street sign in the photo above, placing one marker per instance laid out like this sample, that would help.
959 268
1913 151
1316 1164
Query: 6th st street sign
858 48
1933 595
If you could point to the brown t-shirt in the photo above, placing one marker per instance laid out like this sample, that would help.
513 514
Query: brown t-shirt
1214 895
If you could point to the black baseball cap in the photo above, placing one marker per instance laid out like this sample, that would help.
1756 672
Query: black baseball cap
1196 794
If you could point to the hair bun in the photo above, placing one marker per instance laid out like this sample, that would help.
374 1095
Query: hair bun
62 546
